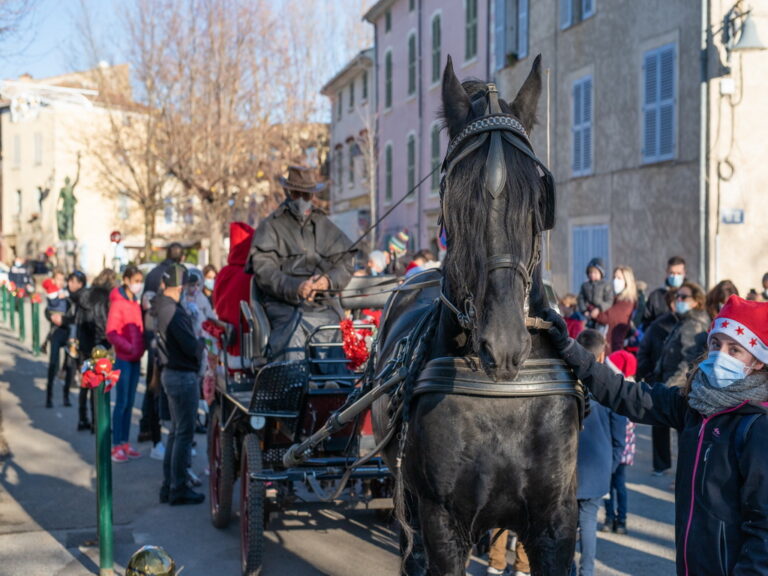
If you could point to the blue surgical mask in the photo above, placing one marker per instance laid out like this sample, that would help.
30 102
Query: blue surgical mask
209 283
675 280
722 370
681 307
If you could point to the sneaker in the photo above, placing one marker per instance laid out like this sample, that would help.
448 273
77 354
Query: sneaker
494 571
194 479
608 526
118 454
158 451
130 452
186 496
658 473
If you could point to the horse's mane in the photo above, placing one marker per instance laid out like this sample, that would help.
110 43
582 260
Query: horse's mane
465 212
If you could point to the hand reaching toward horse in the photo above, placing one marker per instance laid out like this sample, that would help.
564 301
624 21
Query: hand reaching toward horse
558 332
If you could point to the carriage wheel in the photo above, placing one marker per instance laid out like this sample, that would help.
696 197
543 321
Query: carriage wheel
221 463
251 508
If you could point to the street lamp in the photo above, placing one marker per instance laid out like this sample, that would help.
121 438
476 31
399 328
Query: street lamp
739 31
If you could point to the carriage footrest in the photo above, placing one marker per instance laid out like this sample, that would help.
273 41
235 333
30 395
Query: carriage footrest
280 387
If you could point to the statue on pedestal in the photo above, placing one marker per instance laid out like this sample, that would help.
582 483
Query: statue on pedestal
65 215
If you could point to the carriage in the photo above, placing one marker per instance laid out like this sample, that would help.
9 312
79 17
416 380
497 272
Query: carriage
260 408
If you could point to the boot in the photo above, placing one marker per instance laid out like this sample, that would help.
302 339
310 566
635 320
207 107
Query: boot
620 527
66 399
609 525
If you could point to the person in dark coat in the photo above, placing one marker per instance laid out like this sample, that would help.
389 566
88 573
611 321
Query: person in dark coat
64 335
721 504
597 292
681 349
601 445
656 304
298 254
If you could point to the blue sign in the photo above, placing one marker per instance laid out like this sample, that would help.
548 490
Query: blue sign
732 216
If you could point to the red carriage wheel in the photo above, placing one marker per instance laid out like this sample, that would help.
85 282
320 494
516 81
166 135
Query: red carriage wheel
221 463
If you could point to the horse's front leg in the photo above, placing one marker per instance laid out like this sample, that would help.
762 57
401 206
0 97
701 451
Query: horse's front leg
447 548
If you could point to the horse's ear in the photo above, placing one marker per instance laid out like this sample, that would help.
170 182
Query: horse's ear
527 100
456 104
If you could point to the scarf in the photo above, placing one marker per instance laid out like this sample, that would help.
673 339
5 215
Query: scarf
707 399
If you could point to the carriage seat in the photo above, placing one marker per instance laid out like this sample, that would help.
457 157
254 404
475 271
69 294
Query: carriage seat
365 292
254 327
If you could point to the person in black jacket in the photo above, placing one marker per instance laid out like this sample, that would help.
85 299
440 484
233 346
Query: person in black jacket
179 354
721 504
656 304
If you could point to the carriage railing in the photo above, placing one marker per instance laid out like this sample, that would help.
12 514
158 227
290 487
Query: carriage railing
343 375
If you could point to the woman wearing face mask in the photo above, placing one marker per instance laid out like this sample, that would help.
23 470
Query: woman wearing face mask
209 281
721 502
125 331
617 317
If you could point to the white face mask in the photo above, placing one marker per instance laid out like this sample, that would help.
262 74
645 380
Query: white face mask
136 288
618 285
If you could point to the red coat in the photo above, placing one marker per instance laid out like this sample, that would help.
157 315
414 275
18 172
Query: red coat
125 330
617 318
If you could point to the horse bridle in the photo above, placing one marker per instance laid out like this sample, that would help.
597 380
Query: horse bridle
498 126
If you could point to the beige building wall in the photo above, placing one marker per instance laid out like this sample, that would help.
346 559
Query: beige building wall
651 209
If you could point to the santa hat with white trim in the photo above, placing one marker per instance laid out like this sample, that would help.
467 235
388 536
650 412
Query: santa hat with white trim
746 322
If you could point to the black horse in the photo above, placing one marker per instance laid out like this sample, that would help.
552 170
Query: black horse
470 461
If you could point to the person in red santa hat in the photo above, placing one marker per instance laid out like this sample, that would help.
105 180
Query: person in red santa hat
721 503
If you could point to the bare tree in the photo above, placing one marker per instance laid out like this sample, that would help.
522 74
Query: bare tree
12 14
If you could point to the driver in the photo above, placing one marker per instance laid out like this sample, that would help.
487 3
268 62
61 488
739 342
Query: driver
296 256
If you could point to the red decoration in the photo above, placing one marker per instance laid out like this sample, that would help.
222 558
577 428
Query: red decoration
97 371
725 324
20 293
355 343
753 342
36 298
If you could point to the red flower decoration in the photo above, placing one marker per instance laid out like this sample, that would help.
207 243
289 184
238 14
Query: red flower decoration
97 371
354 344
36 298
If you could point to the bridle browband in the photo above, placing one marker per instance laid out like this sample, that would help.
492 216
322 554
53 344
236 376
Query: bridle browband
499 126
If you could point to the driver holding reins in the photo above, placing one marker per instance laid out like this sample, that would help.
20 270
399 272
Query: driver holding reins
297 256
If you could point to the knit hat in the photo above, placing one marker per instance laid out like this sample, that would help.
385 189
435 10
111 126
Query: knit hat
622 362
746 322
399 243
597 263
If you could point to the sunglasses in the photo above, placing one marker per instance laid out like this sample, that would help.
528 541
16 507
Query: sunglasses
683 296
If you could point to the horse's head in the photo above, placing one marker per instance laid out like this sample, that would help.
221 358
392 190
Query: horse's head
497 198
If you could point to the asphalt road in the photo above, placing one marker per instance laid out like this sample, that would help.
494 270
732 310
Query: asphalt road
48 506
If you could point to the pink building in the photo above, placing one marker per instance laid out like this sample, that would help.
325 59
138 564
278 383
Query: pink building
412 41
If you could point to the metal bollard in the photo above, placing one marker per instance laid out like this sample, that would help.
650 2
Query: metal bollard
22 320
35 328
12 307
4 303
104 480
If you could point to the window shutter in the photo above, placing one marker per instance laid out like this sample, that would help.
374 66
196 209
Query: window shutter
576 128
522 30
580 256
666 116
565 13
650 105
388 80
587 8
388 173
499 30
586 127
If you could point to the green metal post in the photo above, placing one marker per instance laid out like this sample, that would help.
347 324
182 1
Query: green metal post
35 328
104 481
4 292
22 321
13 312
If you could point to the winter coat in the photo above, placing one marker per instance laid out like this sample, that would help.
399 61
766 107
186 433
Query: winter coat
617 318
178 347
721 503
685 343
655 306
652 345
233 285
91 319
601 444
125 328
595 295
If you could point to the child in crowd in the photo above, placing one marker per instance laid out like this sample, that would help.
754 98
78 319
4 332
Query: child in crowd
56 302
575 321
596 293
621 362
601 445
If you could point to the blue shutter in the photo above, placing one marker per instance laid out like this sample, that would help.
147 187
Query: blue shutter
586 125
600 245
565 13
650 106
587 8
576 128
522 29
587 242
499 28
666 116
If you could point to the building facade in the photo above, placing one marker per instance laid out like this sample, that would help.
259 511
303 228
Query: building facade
352 160
650 161
413 39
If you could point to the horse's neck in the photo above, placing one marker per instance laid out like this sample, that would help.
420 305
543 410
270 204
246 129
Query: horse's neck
450 339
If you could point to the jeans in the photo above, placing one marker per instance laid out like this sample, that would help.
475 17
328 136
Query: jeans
58 344
125 394
616 504
588 540
183 392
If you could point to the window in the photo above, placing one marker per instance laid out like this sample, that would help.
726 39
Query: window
122 206
574 11
436 48
38 148
411 169
365 86
338 106
582 126
587 242
351 163
16 150
659 92
19 205
470 30
511 32
388 173
435 153
411 5
387 21
388 79
352 95
168 210
412 64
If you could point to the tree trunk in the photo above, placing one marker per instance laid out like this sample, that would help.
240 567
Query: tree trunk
149 231
216 257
